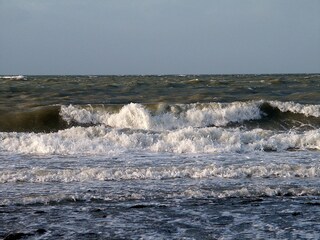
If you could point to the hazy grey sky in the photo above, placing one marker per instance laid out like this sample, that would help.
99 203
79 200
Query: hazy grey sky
159 36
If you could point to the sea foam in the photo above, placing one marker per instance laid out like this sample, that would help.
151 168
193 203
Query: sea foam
16 77
87 174
168 117
177 116
307 109
103 140
243 192
175 128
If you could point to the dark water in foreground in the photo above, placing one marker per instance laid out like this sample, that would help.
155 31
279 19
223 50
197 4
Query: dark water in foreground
160 157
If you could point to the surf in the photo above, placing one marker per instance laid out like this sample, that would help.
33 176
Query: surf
273 115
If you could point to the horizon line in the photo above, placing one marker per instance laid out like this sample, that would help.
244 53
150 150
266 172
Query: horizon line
165 74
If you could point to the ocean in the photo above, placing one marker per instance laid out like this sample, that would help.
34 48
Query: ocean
160 157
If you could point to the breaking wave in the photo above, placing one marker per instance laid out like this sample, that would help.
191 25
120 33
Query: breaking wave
176 128
273 115
161 117
103 140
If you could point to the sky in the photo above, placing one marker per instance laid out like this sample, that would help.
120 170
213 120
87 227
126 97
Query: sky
48 37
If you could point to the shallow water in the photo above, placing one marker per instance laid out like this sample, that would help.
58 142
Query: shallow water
160 157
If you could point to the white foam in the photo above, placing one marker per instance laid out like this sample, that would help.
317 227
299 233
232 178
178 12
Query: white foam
307 109
168 117
136 116
103 140
17 77
79 115
87 174
76 140
254 191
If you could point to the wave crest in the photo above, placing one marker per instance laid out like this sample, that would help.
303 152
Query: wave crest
165 116
159 117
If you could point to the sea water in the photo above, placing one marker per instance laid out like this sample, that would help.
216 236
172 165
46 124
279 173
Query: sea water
160 157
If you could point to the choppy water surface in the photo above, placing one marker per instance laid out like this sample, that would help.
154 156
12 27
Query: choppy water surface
160 157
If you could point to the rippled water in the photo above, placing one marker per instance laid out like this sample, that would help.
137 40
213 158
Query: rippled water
160 157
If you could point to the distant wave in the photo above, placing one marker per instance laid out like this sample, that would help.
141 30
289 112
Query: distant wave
16 77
